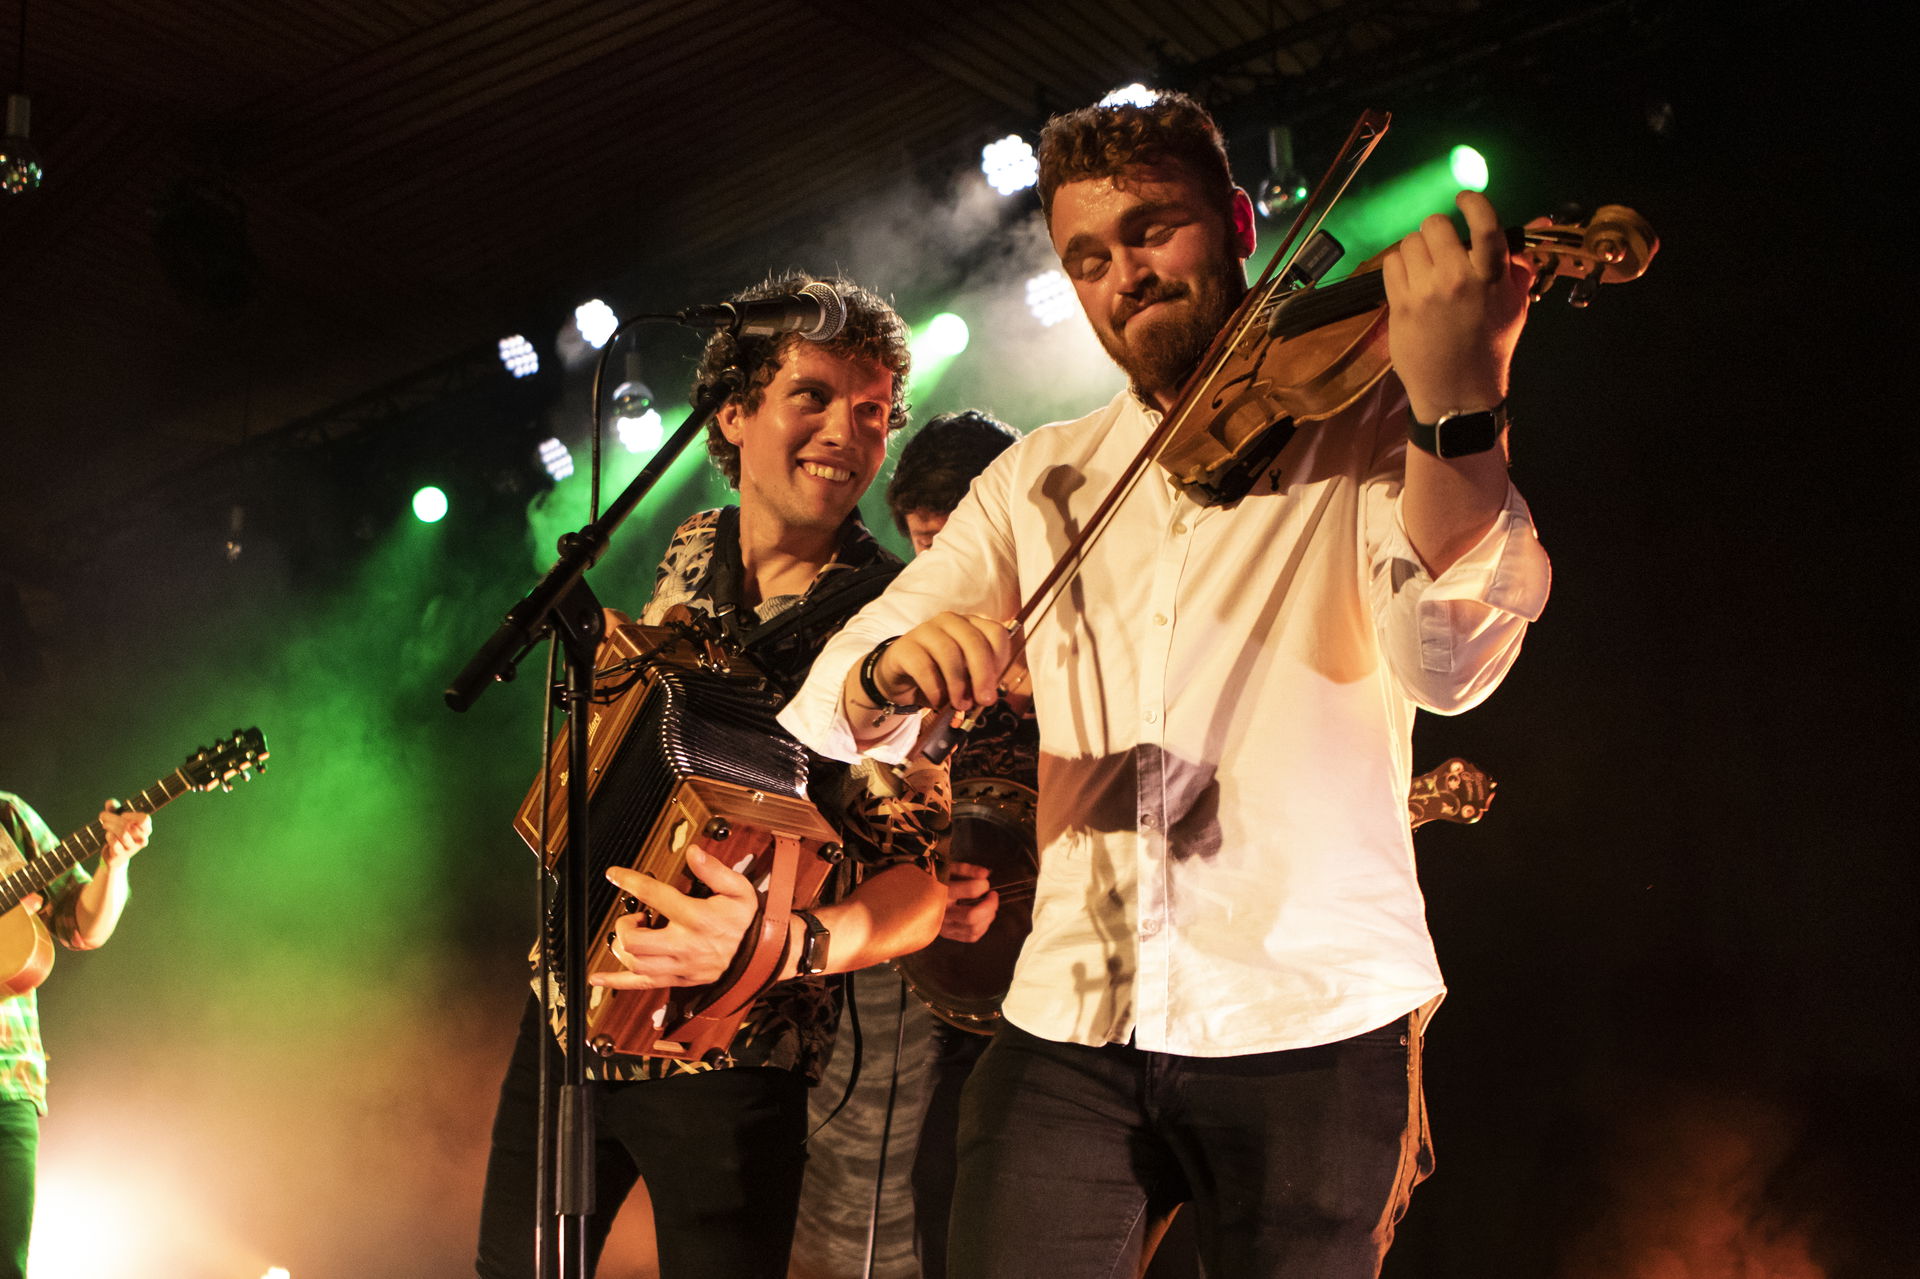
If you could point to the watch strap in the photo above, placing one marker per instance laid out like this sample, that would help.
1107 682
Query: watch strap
1458 434
813 945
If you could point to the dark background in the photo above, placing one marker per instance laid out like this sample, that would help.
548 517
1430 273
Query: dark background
1680 950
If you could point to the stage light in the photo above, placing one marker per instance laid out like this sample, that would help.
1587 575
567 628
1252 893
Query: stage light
944 337
1050 297
596 322
277 1272
519 356
1009 164
1283 189
1131 95
634 419
641 432
1469 168
20 168
555 457
430 505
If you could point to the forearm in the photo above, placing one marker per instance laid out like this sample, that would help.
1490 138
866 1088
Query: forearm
896 912
1449 504
96 911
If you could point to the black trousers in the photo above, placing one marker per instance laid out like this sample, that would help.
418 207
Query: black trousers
1292 1163
721 1153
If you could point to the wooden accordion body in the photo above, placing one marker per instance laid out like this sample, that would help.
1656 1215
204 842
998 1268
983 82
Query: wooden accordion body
684 752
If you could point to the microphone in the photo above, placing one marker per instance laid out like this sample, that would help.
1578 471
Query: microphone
816 313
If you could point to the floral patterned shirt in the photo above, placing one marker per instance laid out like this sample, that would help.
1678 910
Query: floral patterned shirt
900 820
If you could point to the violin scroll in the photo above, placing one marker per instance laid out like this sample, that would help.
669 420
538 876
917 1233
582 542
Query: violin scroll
1611 247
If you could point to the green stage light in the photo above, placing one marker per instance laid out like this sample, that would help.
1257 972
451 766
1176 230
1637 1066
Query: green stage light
1469 168
934 345
429 505
945 336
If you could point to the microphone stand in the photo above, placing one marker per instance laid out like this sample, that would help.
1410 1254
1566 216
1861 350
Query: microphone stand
561 606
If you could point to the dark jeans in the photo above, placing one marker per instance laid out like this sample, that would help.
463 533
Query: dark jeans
1292 1163
721 1152
19 1145
955 1054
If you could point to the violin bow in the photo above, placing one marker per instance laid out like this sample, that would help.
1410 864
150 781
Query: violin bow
1361 141
1354 152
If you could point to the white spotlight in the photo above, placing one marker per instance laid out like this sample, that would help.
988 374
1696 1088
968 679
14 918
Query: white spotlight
1050 297
519 356
559 462
642 432
596 322
1131 95
1009 164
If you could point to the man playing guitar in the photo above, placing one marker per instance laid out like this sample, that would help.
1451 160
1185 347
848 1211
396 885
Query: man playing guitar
81 912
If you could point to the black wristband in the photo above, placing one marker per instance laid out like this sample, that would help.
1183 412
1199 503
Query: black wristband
870 690
1458 434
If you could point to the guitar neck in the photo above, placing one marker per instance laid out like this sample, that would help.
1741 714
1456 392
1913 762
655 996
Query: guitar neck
36 873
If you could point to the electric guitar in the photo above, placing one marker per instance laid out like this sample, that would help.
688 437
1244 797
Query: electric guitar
26 948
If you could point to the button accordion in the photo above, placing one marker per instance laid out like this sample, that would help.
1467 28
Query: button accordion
684 752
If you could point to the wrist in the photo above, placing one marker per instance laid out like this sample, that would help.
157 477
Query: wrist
867 680
1457 432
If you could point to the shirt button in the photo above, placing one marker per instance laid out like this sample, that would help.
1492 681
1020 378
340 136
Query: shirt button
1180 528
1146 821
1148 927
1159 619
1153 716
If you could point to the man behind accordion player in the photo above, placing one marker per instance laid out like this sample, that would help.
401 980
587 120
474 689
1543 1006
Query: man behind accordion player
721 1145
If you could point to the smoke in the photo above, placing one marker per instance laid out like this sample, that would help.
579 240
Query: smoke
1692 1188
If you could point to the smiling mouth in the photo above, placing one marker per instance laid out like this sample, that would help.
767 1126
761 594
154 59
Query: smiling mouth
833 473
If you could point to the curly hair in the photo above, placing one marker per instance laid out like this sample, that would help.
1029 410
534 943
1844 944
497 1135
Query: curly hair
941 460
873 334
1102 142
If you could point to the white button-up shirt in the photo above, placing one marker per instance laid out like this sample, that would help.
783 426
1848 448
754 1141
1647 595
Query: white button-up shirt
1225 699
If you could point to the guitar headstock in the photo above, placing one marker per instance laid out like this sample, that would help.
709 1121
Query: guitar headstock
1456 791
231 758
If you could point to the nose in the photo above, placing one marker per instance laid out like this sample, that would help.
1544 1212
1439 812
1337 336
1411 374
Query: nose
836 424
1130 270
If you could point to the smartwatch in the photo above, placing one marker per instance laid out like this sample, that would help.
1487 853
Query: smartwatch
1458 434
813 946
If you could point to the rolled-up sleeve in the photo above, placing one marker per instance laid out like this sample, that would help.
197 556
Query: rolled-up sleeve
1450 640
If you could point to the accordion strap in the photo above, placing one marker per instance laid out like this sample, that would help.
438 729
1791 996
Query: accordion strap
764 949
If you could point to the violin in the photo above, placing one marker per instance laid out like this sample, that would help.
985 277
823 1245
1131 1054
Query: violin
1295 352
1301 354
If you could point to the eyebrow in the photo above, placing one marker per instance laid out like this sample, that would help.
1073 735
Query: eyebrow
1143 212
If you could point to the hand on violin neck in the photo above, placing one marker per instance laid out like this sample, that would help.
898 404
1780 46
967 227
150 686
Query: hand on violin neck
1455 311
952 659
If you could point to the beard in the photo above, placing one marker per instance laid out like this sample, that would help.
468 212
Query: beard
1160 355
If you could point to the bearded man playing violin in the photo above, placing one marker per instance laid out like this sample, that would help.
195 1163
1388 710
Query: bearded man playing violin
1223 998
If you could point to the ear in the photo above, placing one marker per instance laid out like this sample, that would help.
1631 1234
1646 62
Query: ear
732 422
1246 237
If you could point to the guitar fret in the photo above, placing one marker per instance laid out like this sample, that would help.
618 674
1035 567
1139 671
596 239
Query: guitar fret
220 765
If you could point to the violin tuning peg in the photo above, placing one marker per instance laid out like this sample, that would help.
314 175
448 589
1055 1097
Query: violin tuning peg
1584 290
1570 214
1543 278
